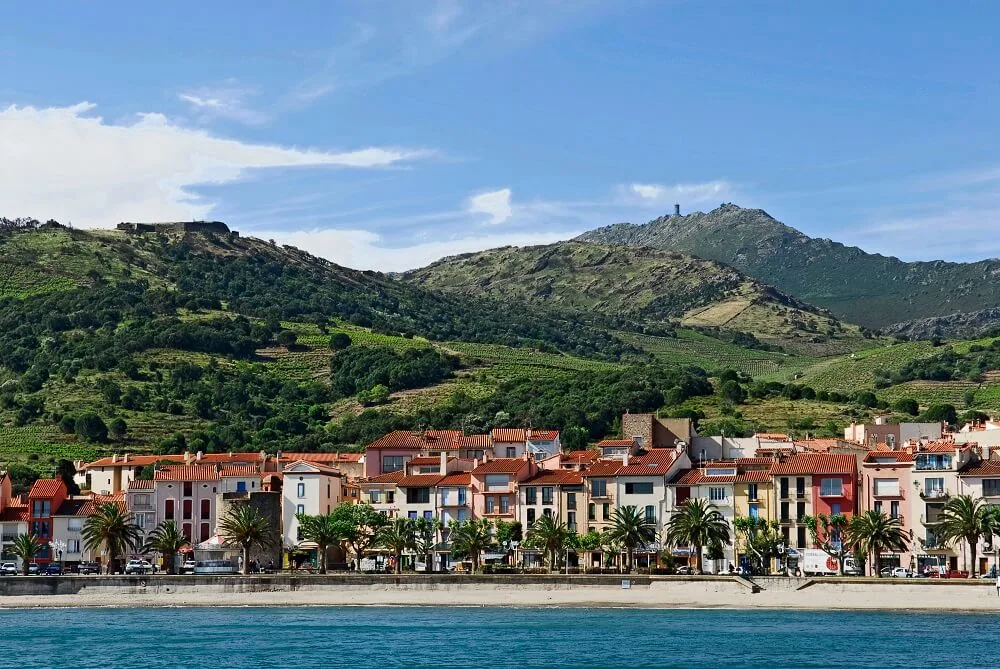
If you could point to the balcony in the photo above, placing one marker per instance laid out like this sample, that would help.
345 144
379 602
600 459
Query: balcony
8 537
928 520
935 493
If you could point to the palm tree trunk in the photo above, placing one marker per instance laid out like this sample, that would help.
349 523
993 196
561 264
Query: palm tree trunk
322 557
429 562
697 558
399 562
972 554
246 559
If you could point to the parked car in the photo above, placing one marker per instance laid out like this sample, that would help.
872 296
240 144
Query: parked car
901 572
88 568
52 569
9 569
188 567
33 569
138 567
685 571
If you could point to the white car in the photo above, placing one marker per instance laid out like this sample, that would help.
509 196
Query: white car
188 567
901 572
138 567
8 569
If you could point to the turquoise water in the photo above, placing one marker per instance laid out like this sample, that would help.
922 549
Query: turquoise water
463 637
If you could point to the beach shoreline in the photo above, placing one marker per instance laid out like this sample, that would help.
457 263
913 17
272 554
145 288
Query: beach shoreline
774 593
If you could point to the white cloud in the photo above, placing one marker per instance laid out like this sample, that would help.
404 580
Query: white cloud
57 162
361 249
229 101
660 194
495 204
443 16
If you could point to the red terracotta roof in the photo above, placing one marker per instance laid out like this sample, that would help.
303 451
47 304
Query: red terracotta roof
399 440
772 436
187 473
984 468
475 442
424 461
144 460
318 466
754 462
615 442
419 481
687 477
754 476
16 511
137 484
322 457
543 435
90 508
46 488
458 479
816 463
889 457
603 468
943 447
581 457
501 466
554 477
239 470
817 445
391 477
508 435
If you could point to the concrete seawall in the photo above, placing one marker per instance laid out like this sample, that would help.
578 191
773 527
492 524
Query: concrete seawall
513 590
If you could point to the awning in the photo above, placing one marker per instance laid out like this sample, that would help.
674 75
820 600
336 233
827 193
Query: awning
307 545
684 552
494 556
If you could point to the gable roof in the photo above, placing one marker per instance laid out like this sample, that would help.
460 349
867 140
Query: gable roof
888 458
187 473
543 435
605 443
419 481
304 467
456 479
554 477
984 468
140 484
508 435
501 466
476 442
46 488
816 463
239 470
580 457
323 457
390 477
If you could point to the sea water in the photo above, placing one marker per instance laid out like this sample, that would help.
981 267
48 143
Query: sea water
491 637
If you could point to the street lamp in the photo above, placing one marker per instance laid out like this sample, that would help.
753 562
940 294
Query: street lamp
59 546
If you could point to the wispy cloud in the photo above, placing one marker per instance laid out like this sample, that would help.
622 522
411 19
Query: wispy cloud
686 193
62 163
494 204
229 101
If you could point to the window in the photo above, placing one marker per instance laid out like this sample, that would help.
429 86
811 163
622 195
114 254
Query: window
531 517
186 531
639 488
991 487
428 515
40 528
390 496
375 496
505 504
800 487
188 488
800 537
785 536
300 489
490 504
800 511
785 517
463 515
547 496
831 488
650 513
241 486
73 546
934 487
206 509
599 487
877 506
605 511
894 509
188 509
716 471
886 487
591 511
461 496
752 492
531 495
755 511
784 488
418 495
497 481
571 500
412 515
140 520
168 509
205 532
511 452
571 521
716 494
142 500
75 524
392 463
835 509
41 508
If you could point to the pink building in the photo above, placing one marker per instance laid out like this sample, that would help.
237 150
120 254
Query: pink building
886 479
494 487
391 452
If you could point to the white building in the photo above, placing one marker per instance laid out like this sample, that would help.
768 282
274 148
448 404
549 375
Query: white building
309 488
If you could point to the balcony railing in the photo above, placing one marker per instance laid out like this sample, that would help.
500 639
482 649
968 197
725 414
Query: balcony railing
930 520
935 493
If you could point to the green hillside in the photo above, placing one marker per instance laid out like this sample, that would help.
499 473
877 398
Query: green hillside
640 290
869 289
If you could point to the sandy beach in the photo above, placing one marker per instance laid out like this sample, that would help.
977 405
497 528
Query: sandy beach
774 593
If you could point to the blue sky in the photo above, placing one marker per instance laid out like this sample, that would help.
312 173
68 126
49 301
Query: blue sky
384 135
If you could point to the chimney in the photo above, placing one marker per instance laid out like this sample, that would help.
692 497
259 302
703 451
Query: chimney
187 457
475 463
444 464
263 455
114 458
197 456
677 210
125 458
625 461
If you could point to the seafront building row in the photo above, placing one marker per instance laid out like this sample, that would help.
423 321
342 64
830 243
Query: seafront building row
521 475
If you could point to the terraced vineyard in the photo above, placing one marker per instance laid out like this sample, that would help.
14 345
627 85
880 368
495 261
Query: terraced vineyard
694 348
856 371
500 358
41 443
987 393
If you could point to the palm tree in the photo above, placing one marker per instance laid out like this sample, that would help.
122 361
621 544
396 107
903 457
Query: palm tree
323 530
631 528
874 533
167 540
967 519
549 535
471 538
26 547
698 524
397 536
111 531
424 538
246 526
